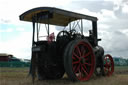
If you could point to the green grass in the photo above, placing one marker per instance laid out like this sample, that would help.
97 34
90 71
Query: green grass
19 76
14 68
121 69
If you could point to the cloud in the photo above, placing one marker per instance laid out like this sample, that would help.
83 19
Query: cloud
19 46
114 40
112 28
10 10
125 31
15 35
107 15
115 43
125 8
117 3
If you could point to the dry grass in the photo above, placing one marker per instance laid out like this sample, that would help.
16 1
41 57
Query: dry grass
18 76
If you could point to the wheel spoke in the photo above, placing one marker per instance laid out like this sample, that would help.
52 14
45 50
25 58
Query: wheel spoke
82 51
85 71
87 54
88 64
109 70
109 63
106 65
109 66
76 62
78 49
105 59
74 67
80 71
79 74
105 69
85 68
73 58
76 55
86 58
77 69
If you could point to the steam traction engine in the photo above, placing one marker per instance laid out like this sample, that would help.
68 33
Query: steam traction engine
70 50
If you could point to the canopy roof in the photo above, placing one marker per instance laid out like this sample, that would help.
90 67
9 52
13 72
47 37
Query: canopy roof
54 16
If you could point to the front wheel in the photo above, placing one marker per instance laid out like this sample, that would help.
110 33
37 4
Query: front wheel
79 60
108 65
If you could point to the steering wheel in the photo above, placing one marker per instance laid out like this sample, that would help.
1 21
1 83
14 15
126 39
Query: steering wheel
73 31
63 34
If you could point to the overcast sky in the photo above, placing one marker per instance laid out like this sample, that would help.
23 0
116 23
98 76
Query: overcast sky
15 35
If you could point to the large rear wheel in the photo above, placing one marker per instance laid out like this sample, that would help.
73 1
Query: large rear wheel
79 60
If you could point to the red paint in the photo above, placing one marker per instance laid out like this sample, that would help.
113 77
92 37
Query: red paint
108 65
83 61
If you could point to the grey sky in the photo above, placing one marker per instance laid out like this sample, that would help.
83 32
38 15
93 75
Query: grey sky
112 23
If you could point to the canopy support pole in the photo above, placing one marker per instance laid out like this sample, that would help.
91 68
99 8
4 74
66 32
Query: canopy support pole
48 27
81 27
33 23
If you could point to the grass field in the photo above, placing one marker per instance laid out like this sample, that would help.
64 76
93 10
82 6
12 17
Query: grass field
19 76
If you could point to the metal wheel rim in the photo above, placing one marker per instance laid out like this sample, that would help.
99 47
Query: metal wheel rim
83 63
108 65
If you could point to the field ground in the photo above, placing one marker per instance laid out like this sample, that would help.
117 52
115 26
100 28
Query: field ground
19 76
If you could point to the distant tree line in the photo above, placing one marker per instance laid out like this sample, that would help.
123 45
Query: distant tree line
118 61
